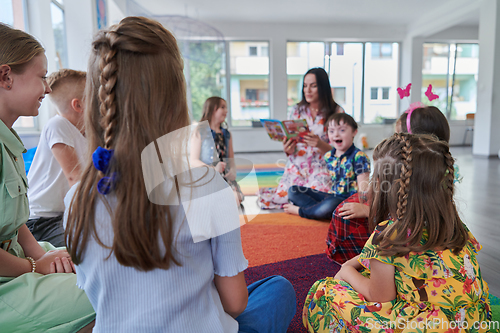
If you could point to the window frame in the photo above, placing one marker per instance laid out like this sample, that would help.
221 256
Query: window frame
449 42
327 64
227 41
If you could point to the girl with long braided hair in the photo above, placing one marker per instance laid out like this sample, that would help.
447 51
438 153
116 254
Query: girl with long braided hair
418 270
138 256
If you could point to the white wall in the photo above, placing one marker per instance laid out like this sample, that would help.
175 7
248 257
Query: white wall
487 140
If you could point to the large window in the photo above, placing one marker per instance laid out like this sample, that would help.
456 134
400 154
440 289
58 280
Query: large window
363 76
12 13
452 70
346 70
381 71
248 81
59 28
205 72
301 56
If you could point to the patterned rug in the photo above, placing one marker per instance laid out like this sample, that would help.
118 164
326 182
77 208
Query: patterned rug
268 175
302 273
293 247
290 246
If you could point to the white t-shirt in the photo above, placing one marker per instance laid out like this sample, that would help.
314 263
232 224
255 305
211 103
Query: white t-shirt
47 183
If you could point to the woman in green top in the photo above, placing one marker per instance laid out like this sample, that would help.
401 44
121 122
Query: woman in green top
38 290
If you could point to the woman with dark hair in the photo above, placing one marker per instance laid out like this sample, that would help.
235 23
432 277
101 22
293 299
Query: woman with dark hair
305 165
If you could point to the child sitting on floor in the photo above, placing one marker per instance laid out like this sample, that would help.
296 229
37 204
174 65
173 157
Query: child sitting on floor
137 256
60 152
349 168
419 267
348 231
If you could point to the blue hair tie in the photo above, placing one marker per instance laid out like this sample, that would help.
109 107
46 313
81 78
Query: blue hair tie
107 184
101 159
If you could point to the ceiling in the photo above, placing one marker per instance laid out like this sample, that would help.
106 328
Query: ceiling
366 12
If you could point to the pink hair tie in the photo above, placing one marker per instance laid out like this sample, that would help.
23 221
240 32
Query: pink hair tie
412 107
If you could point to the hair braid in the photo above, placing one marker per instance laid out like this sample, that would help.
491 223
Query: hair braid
406 172
108 67
450 175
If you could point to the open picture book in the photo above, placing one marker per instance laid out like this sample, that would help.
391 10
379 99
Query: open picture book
291 129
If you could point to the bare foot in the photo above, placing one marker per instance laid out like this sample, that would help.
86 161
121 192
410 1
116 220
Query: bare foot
291 209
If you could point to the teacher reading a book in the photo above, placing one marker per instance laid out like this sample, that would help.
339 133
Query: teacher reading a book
305 165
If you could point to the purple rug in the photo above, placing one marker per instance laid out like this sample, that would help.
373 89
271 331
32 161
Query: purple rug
302 273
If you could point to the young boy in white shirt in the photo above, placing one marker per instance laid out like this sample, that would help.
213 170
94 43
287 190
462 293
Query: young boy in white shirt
59 157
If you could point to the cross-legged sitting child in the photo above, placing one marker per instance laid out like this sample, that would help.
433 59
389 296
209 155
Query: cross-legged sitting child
349 168
151 265
348 231
56 165
418 272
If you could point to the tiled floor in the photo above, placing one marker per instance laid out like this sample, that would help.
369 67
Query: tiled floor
477 197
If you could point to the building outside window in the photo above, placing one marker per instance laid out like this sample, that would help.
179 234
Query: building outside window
452 69
366 80
382 72
300 57
385 93
248 81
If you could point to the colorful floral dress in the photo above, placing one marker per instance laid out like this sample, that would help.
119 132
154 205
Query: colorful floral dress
306 167
437 291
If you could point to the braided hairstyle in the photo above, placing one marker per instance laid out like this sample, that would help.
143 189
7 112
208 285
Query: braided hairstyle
412 184
134 94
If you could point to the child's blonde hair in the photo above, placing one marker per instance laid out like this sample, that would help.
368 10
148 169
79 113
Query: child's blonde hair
135 94
17 48
66 84
412 184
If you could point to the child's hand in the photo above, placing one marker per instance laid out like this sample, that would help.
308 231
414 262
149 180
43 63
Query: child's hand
353 210
289 146
220 167
231 175
56 261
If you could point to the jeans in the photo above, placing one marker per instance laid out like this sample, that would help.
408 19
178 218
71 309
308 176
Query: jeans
314 204
271 306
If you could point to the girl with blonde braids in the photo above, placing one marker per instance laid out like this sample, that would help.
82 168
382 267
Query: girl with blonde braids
32 297
138 261
418 270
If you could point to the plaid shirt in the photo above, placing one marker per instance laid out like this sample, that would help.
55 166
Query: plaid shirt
346 238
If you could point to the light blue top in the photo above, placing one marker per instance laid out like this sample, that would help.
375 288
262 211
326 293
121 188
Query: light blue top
208 149
180 299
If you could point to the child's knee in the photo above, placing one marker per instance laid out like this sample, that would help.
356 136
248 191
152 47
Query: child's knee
293 191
